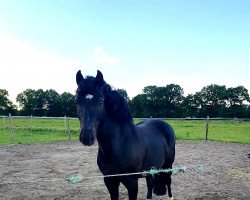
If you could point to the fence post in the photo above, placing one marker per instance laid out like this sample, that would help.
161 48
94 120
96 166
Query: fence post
31 121
11 129
69 134
3 122
207 122
65 124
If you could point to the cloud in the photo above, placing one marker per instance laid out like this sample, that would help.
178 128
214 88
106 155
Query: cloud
25 66
102 57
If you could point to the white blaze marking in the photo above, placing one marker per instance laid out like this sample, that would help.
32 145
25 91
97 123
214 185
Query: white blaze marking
89 96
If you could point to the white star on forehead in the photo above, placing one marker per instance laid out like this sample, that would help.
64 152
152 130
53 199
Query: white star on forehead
89 96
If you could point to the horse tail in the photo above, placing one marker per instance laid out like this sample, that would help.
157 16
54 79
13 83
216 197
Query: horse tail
159 185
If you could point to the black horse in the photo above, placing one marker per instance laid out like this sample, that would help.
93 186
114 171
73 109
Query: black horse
123 147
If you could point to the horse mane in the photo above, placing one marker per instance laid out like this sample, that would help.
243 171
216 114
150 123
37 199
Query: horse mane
115 105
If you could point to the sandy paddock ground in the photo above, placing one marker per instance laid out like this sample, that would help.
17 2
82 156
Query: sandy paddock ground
38 171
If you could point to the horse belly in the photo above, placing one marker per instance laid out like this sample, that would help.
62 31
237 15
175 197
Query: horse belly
155 157
124 160
159 147
154 151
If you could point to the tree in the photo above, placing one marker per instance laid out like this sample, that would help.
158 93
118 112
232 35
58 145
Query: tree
164 101
138 106
6 106
190 106
40 108
151 105
68 105
172 98
26 101
235 98
158 101
212 100
53 103
247 112
32 102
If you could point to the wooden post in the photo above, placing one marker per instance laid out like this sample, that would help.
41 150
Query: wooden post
11 129
69 135
65 124
31 121
3 122
207 122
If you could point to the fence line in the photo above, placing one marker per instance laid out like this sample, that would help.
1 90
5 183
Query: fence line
31 124
139 118
200 118
68 128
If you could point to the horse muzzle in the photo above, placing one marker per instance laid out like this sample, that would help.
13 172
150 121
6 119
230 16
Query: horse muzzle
87 137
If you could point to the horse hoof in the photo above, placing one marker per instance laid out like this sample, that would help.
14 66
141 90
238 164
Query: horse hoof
171 198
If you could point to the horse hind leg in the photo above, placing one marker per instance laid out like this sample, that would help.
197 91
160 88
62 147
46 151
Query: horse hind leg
159 184
167 178
150 185
168 183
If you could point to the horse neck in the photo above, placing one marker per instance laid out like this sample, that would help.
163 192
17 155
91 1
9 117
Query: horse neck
112 133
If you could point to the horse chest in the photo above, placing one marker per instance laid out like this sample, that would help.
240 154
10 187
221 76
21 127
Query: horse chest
118 160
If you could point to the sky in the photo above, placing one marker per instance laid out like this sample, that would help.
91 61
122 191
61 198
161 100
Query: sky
134 43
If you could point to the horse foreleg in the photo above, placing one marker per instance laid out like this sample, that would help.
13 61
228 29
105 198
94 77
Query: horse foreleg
113 187
150 185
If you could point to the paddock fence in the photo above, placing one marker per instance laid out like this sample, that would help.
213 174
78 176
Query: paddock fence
33 129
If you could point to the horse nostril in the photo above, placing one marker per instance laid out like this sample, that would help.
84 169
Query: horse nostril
87 137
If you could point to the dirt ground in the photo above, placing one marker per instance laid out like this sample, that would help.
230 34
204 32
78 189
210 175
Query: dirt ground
38 171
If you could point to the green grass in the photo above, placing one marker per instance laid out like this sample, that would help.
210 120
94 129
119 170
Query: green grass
218 130
37 130
22 136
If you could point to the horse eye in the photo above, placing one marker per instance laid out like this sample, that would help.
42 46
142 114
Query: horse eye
101 102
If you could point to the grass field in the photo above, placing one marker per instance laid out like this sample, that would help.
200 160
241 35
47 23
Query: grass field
35 130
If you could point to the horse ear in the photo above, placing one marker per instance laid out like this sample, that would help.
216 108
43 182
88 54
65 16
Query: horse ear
79 77
99 79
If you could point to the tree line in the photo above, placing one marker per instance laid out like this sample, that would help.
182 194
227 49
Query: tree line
39 103
166 101
213 100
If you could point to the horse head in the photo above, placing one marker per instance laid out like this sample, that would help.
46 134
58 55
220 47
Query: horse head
90 106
